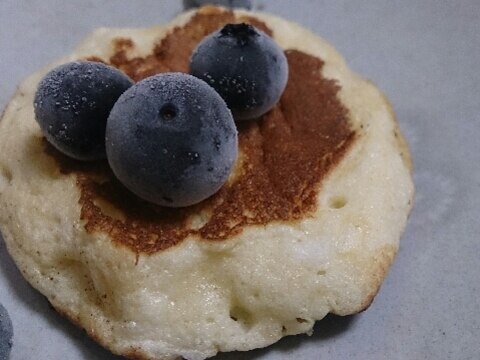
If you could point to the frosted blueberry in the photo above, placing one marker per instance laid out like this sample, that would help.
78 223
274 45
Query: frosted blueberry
171 140
6 334
72 104
246 67
247 4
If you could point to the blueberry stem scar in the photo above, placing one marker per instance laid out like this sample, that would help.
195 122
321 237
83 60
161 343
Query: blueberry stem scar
168 112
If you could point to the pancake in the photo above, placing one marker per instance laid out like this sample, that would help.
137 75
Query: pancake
308 223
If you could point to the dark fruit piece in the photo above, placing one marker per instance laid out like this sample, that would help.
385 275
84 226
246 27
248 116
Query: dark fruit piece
246 67
171 140
247 4
6 334
72 104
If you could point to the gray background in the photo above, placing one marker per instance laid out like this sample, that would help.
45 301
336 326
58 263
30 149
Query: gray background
425 55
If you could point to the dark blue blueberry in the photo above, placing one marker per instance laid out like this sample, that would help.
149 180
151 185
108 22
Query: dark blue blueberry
171 140
247 4
247 68
72 104
6 334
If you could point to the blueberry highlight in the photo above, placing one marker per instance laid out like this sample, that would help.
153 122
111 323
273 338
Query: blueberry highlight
72 104
6 334
245 66
247 4
171 140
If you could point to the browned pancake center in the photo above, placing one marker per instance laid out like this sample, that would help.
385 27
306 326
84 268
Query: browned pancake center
284 155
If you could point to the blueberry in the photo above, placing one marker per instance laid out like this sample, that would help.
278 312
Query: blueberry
72 104
171 140
6 334
247 68
247 4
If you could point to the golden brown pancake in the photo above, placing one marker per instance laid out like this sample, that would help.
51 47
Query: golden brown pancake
308 223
